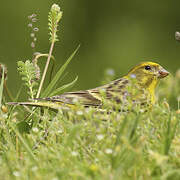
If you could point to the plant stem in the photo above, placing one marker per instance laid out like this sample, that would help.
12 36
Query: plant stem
45 69
7 91
31 90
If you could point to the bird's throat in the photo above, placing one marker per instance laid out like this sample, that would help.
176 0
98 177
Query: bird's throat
150 85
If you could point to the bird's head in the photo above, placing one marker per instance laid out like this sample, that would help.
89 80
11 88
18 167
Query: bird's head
147 74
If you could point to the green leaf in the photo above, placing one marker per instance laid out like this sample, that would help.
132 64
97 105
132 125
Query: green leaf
62 88
48 90
28 72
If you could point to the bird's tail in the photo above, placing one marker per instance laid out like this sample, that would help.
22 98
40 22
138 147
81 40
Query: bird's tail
51 105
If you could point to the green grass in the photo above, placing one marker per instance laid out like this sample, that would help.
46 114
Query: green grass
86 144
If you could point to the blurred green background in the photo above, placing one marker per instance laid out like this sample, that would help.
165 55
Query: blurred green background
113 34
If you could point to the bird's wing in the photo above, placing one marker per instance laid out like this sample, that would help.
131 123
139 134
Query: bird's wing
81 97
92 97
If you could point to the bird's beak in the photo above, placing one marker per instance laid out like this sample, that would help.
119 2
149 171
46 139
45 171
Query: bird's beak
162 73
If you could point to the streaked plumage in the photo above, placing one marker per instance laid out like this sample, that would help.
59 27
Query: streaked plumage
138 86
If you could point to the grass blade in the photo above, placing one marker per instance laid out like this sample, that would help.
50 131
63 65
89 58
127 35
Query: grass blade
26 146
1 86
62 88
58 75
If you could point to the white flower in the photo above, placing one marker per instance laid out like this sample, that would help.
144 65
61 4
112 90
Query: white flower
60 131
16 173
55 7
108 151
35 129
34 168
79 113
74 153
100 136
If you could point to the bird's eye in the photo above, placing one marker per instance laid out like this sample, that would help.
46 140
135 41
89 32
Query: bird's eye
147 68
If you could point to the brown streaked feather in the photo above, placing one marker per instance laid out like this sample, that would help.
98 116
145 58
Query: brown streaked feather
82 97
92 97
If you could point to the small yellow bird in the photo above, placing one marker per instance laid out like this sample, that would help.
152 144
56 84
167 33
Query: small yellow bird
137 87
